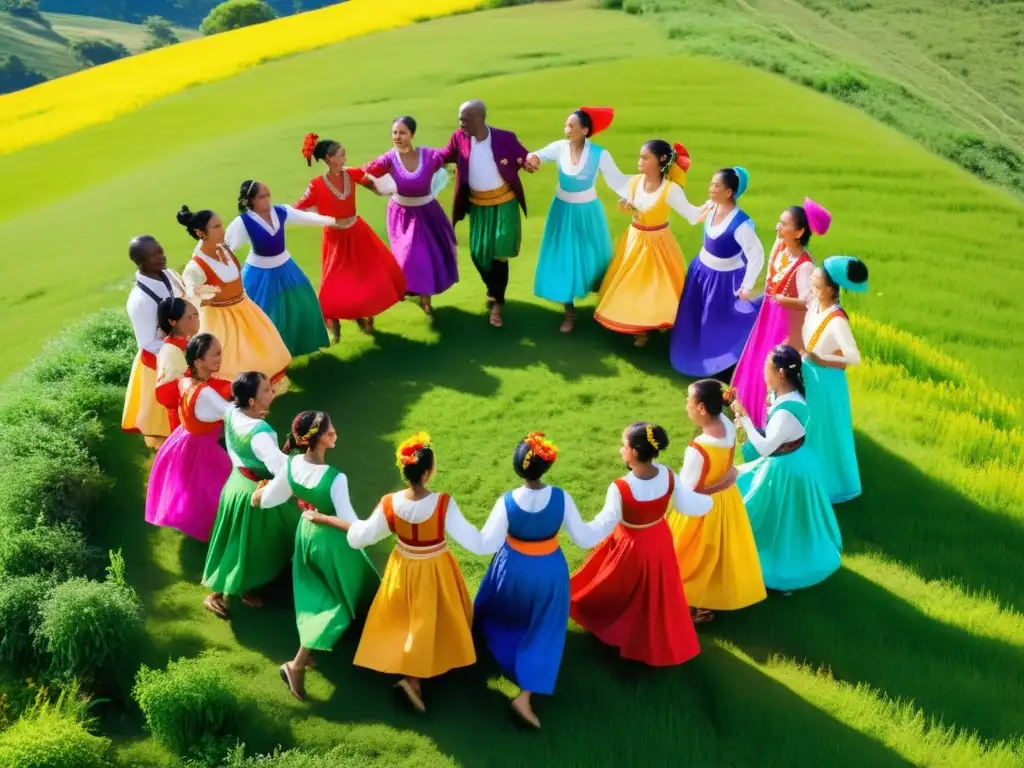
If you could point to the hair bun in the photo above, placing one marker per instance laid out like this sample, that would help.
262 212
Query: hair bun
184 216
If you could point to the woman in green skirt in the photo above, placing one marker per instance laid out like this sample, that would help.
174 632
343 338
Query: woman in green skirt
248 548
334 584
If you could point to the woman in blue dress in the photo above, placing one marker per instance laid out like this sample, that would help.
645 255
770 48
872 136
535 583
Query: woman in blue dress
271 277
715 314
829 347
577 247
795 528
522 606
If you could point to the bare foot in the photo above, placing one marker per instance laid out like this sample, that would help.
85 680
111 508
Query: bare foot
521 706
425 306
640 340
702 616
335 328
495 318
216 606
568 322
293 679
412 694
252 601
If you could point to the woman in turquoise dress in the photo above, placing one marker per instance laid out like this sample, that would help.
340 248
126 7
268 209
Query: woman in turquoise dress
795 529
333 583
577 247
248 548
829 348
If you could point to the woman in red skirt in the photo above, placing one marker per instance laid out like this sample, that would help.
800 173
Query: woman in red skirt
629 593
360 275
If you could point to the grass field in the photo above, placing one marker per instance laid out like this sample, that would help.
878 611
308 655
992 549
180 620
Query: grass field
910 655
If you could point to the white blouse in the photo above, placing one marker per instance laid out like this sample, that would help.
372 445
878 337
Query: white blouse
142 309
836 343
584 535
560 152
746 239
676 199
782 427
236 234
263 445
483 171
375 528
693 462
308 475
210 406
170 364
195 277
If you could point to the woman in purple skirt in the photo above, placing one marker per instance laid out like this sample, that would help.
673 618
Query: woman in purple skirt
715 314
422 237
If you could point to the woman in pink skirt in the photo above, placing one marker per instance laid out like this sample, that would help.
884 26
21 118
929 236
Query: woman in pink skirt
191 467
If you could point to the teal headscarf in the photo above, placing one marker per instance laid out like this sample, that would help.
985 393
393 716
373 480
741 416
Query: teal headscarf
744 176
838 268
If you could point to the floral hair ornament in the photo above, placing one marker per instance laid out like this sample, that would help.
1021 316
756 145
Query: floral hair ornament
650 437
308 145
600 119
728 394
543 449
678 165
303 440
408 451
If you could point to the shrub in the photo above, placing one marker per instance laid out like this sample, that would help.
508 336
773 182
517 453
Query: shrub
190 707
234 14
20 601
160 32
54 735
57 550
26 9
94 52
14 75
88 625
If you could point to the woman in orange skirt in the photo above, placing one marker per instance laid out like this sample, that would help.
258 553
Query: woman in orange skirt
361 277
629 593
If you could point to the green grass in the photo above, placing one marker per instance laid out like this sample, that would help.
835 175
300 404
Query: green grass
910 655
46 50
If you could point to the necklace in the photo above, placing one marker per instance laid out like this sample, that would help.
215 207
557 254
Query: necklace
346 186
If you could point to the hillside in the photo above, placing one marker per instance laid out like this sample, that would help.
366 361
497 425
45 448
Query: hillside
186 12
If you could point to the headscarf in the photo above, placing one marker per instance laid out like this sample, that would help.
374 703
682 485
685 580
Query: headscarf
600 118
818 219
838 269
744 181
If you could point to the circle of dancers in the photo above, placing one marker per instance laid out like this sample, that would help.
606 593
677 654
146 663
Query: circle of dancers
669 549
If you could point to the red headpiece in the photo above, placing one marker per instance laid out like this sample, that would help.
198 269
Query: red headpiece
600 118
308 145
682 156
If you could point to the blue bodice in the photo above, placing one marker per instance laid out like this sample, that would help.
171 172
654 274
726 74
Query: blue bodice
725 246
535 526
264 243
586 177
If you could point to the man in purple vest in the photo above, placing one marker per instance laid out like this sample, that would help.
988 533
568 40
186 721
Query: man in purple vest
487 187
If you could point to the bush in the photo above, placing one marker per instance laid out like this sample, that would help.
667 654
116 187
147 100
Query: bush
94 52
235 14
54 735
88 625
20 601
14 75
190 707
160 32
60 551
26 9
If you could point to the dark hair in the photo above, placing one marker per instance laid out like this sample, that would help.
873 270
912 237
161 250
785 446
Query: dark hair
662 150
639 434
413 473
711 394
788 360
529 465
167 310
323 148
585 121
731 179
857 271
246 192
408 122
197 348
800 222
300 438
139 245
245 386
194 223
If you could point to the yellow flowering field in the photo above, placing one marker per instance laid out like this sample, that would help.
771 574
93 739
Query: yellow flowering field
60 107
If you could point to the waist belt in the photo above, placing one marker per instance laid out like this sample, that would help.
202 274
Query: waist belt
641 526
421 553
647 228
586 196
534 548
497 196
785 448
412 202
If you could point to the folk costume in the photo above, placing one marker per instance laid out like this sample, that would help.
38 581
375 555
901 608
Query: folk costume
422 238
274 281
142 412
576 247
641 288
629 593
716 553
249 339
827 334
489 190
795 528
191 467
249 547
171 366
333 583
712 324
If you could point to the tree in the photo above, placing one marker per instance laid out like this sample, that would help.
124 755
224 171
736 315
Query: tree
14 75
94 52
26 9
161 32
234 14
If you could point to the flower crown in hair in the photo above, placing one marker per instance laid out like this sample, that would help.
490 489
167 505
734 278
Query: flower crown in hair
408 451
728 394
650 437
308 145
303 440
543 449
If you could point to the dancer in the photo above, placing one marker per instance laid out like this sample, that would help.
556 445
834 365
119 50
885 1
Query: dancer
251 342
716 553
270 276
179 322
628 593
153 282
422 238
418 626
248 548
798 539
191 467
522 605
576 248
641 289
830 348
715 314
333 583
360 277
782 306
487 188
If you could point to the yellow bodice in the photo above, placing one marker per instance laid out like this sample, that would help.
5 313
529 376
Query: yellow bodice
717 461
657 214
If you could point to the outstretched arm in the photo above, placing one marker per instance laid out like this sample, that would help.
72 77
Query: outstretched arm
450 154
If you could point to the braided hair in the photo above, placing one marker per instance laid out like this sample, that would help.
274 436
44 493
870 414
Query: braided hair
307 429
787 360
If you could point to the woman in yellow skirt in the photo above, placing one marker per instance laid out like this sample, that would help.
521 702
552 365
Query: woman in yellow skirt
717 555
419 623
249 339
641 289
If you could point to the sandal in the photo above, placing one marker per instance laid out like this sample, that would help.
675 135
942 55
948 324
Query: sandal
299 693
703 616
216 607
411 695
495 318
252 601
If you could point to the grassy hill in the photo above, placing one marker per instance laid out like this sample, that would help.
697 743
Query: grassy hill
910 655
46 50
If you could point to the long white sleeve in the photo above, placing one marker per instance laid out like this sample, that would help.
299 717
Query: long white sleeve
551 152
364 533
803 280
782 427
193 276
496 528
689 503
676 199
693 465
266 450
236 236
616 180
465 535
276 492
610 515
211 407
585 535
142 315
753 252
340 499
838 334
307 218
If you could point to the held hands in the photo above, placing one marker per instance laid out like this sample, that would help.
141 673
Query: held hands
532 163
743 294
313 516
739 412
625 206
